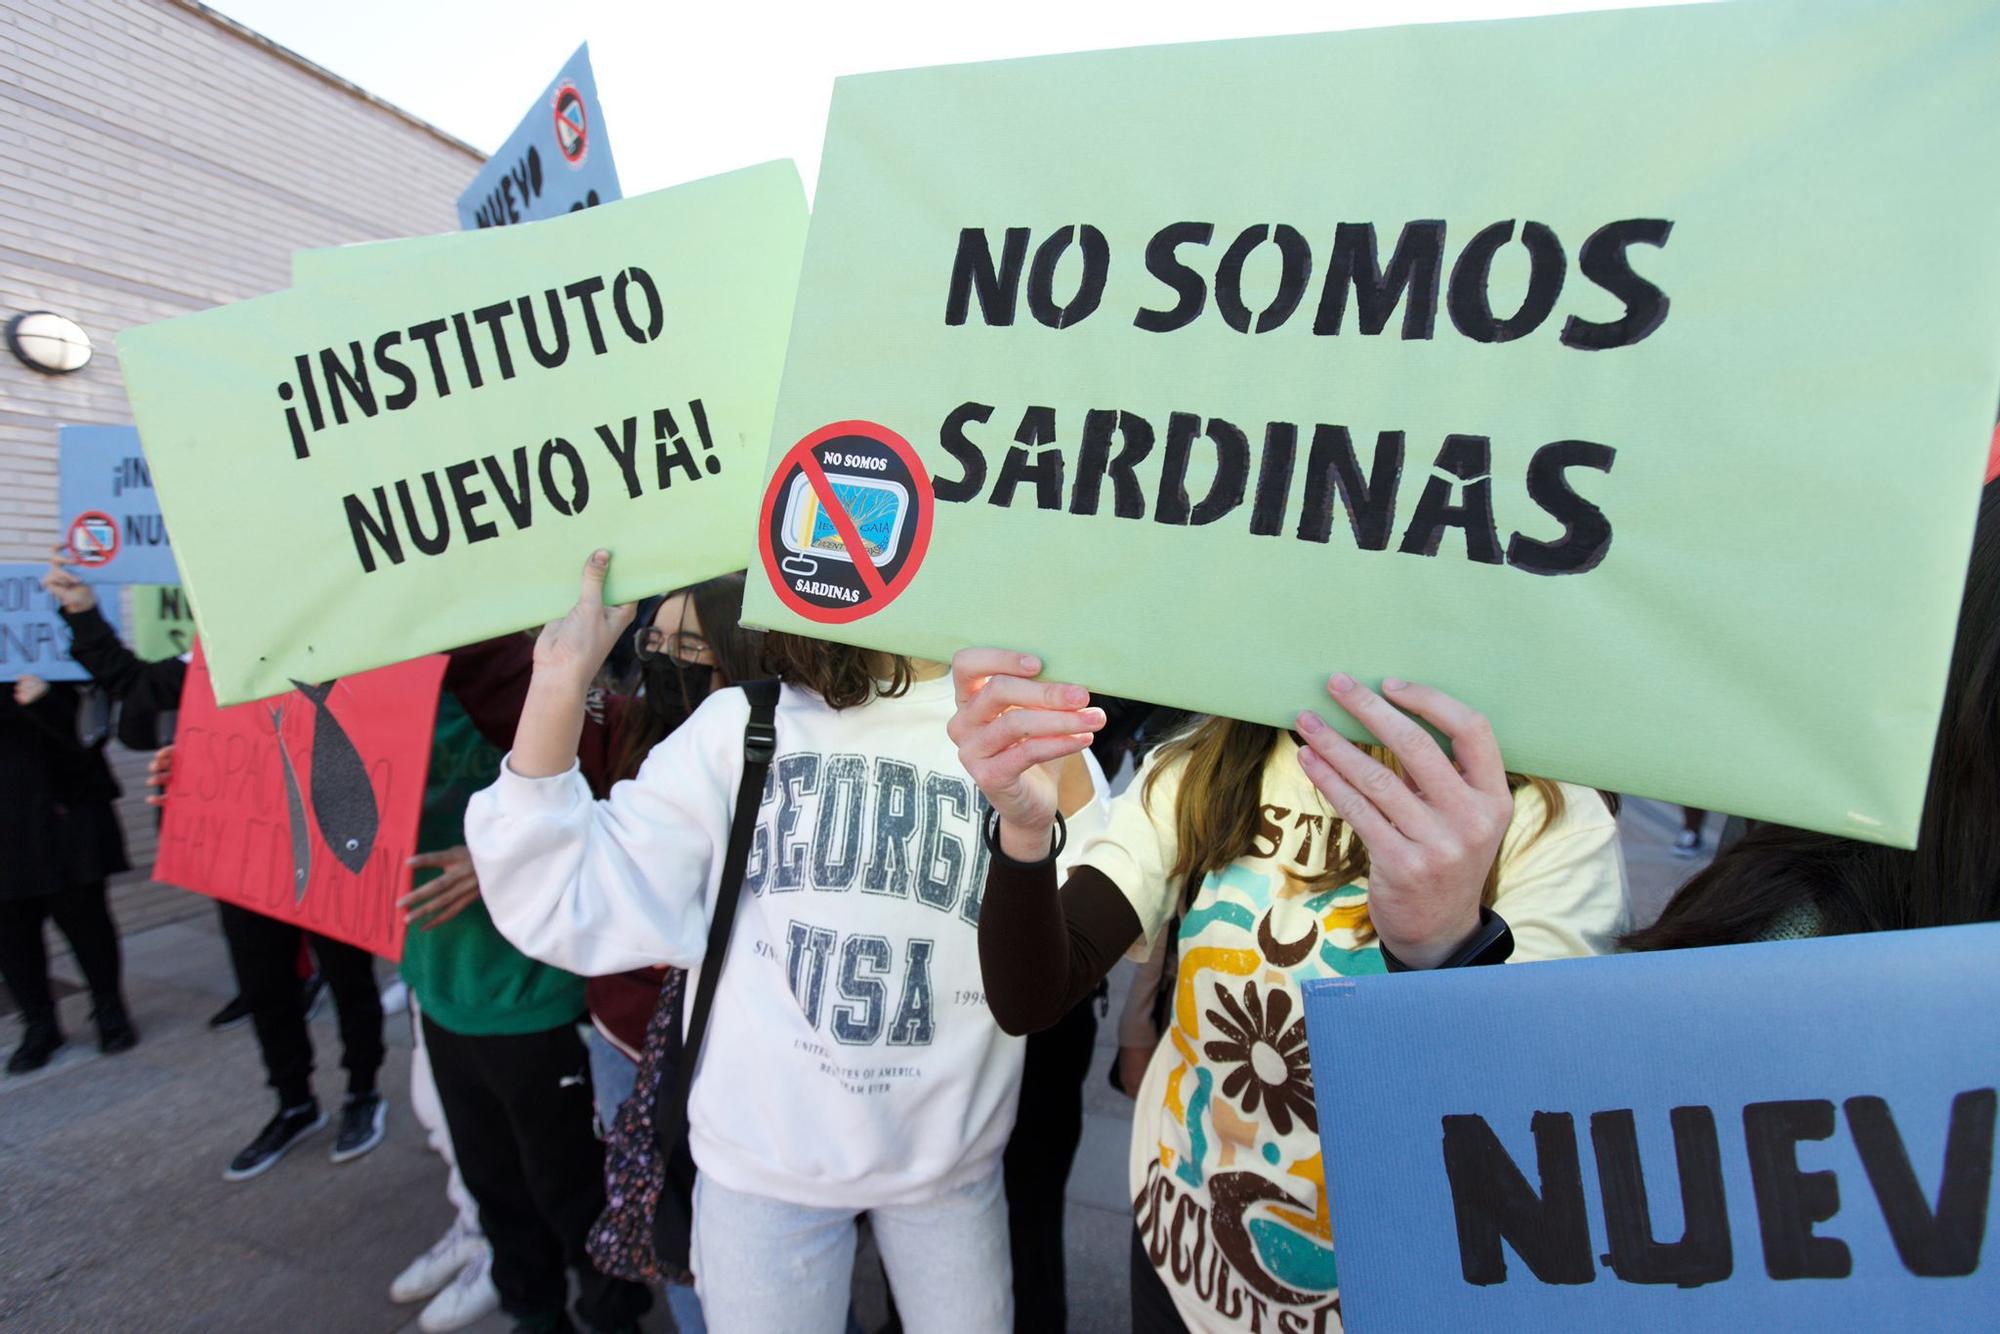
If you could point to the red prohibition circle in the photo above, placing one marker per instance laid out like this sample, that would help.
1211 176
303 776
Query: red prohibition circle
794 462
568 96
92 555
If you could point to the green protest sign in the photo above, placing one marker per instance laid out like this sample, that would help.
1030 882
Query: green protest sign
422 454
1628 375
336 263
162 622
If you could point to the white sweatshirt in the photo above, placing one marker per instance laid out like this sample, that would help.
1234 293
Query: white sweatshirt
850 1059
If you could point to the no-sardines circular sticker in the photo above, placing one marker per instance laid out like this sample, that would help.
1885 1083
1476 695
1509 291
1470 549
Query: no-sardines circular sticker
846 522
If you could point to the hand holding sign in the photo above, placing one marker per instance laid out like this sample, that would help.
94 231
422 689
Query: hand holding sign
1432 836
74 594
1007 728
159 773
573 648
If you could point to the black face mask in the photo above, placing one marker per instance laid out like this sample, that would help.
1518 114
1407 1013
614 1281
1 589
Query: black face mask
673 687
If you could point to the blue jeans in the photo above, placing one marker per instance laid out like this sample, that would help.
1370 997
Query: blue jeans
612 1075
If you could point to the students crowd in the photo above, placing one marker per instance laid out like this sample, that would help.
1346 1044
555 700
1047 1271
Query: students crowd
726 946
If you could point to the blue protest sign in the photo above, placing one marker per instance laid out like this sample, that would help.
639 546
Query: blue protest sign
1795 1135
557 161
111 521
34 640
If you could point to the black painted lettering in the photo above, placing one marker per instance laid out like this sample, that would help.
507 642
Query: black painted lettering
1492 1202
1586 534
973 269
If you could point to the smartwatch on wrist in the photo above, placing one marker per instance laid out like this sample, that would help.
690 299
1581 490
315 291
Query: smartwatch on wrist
1492 942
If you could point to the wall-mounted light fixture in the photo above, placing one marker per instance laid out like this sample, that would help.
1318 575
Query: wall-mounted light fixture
48 342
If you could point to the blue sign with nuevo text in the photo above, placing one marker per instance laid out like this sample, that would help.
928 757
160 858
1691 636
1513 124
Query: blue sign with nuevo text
34 639
557 161
111 528
1793 1135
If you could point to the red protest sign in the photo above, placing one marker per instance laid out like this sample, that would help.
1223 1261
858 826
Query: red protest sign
304 807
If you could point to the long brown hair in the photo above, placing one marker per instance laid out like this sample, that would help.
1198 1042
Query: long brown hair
1219 807
718 611
841 674
1841 886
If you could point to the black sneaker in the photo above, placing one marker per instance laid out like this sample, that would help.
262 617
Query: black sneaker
275 1140
114 1029
233 1015
312 995
363 1118
39 1041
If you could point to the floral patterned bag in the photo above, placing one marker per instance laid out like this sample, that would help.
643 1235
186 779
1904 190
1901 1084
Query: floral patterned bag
648 1217
636 1172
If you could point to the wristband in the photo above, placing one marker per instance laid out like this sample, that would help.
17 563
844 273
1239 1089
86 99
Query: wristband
1492 942
1058 840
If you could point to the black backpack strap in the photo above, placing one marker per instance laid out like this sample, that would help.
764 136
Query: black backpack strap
760 743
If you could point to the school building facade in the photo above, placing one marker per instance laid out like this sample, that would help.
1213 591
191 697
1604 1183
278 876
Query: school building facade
159 159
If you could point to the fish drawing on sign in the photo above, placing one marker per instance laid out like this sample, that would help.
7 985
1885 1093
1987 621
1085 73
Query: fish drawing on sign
343 801
301 837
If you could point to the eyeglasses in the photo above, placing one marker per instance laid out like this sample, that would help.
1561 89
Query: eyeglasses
649 641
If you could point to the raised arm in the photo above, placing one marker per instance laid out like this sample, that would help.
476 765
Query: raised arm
602 887
123 674
1041 950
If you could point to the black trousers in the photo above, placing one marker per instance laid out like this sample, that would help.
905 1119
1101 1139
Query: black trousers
265 953
84 918
1153 1309
1037 1162
520 1112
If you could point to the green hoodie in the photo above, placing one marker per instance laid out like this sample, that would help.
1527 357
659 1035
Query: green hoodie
466 977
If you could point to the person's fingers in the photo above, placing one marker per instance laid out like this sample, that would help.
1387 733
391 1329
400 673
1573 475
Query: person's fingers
1422 758
617 618
1018 725
1351 805
970 668
1384 788
591 593
444 857
429 895
447 912
1000 693
1472 742
1001 772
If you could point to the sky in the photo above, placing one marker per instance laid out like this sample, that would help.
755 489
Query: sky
689 90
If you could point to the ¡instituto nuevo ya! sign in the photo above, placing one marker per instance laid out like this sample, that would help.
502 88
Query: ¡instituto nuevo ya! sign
422 455
1528 359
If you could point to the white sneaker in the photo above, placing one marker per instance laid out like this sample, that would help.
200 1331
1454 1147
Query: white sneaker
470 1296
430 1272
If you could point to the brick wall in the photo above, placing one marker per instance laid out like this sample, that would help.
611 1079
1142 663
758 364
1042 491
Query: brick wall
157 159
